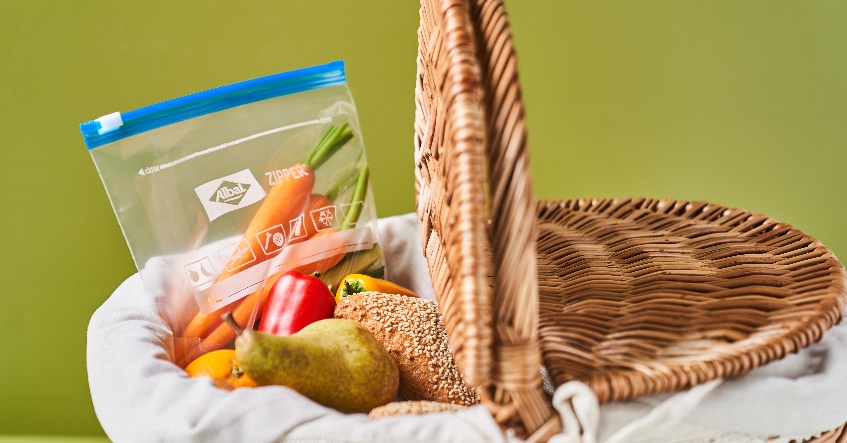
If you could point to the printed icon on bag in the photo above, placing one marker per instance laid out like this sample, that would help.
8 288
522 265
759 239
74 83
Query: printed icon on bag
297 228
238 255
229 193
212 299
200 272
323 218
355 206
272 239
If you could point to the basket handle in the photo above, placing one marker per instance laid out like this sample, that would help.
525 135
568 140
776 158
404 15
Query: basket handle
517 357
469 133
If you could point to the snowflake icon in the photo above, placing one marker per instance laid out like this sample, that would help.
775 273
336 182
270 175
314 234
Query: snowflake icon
326 217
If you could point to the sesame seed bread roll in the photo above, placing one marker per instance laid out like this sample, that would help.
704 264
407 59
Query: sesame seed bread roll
411 330
413 408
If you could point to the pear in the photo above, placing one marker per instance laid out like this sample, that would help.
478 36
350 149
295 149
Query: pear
337 363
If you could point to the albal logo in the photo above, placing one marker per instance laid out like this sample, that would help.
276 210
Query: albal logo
230 193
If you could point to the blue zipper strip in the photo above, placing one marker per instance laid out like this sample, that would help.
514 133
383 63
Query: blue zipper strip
213 100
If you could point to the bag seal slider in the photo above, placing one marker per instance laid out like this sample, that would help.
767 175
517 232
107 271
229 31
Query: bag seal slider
109 122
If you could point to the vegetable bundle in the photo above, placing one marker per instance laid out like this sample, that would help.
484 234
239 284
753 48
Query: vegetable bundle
223 191
285 200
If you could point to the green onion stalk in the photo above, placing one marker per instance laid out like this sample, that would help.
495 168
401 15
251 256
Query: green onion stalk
332 141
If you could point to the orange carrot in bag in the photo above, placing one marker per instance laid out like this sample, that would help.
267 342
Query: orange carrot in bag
223 334
316 201
290 208
220 334
287 199
243 309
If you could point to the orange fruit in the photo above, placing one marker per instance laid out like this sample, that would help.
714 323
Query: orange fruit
223 368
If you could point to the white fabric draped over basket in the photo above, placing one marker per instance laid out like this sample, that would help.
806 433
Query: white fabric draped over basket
140 396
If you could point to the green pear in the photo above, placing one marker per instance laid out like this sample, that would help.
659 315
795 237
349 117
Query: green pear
337 363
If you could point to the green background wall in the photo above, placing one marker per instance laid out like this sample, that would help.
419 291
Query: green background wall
735 101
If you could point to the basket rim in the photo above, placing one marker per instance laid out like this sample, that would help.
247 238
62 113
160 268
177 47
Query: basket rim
739 357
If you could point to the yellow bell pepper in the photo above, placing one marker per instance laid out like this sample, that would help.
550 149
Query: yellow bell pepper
356 283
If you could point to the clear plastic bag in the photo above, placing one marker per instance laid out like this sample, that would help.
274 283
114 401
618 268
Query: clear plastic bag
222 191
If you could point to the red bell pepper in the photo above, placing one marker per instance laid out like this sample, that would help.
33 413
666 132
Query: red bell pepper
294 302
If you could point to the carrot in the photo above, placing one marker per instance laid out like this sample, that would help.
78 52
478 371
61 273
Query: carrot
286 200
223 334
217 339
316 201
243 309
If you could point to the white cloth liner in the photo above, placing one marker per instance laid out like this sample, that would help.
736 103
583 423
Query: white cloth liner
580 413
139 395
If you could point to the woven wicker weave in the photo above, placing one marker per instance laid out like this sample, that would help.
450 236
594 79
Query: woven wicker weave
493 333
637 296
640 296
837 435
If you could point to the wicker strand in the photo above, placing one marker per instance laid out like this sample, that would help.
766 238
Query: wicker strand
837 435
642 296
470 115
449 156
512 230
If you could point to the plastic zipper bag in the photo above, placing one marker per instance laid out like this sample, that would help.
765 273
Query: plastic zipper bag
220 192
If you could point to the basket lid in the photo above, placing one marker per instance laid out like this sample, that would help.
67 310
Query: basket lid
641 296
638 296
475 203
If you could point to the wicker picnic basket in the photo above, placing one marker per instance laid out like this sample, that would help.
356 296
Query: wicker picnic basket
631 296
